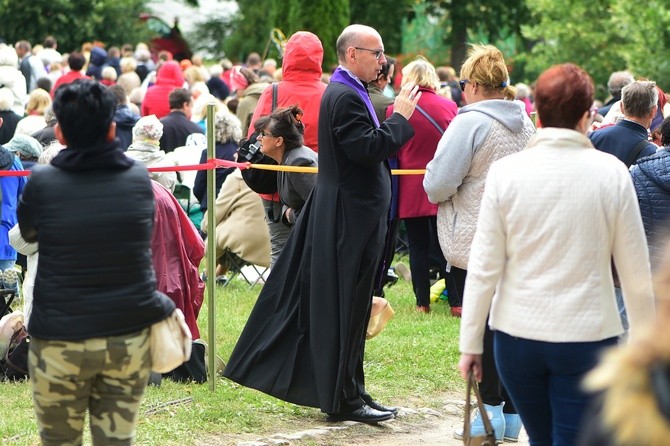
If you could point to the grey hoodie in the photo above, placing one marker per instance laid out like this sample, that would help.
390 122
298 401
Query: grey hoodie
480 134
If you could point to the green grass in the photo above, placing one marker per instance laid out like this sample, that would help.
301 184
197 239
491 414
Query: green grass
411 363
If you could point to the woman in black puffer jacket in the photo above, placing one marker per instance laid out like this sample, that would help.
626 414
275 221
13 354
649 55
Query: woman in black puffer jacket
91 211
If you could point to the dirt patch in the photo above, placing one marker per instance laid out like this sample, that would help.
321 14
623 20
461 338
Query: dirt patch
413 427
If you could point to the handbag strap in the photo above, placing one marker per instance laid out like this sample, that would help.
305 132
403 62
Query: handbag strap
275 93
16 339
430 118
472 386
632 156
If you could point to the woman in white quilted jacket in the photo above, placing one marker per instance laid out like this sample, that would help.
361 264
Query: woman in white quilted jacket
552 217
492 125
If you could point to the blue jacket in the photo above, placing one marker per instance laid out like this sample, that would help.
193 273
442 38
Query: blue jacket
125 120
621 139
651 177
12 188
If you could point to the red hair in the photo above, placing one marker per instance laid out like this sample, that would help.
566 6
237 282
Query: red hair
563 93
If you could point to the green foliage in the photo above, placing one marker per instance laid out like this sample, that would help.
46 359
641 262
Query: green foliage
73 22
212 35
647 38
251 28
412 364
601 36
581 32
493 19
386 16
325 19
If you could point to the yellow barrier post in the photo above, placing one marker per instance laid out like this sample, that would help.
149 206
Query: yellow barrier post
211 250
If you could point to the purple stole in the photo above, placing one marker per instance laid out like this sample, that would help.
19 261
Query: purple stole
343 77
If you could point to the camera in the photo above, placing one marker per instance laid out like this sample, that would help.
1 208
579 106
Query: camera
250 150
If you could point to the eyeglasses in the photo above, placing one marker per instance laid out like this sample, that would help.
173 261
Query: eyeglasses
378 53
263 134
463 82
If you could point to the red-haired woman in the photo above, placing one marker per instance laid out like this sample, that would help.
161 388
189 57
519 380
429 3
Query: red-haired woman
551 218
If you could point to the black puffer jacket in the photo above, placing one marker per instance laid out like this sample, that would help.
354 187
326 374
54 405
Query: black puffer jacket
93 221
651 177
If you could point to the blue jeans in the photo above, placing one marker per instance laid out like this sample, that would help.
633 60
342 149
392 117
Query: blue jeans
622 309
544 381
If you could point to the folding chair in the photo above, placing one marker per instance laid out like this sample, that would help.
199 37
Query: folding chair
8 296
252 274
188 203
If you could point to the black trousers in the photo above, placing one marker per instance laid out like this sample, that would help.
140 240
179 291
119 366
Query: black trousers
422 236
492 391
455 286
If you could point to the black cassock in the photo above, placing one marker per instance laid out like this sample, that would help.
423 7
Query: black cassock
305 337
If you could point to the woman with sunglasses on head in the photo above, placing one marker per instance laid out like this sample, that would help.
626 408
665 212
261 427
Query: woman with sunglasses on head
552 218
491 126
281 136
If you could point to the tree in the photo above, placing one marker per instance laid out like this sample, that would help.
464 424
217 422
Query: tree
646 38
494 19
250 29
73 22
601 36
580 32
325 19
387 17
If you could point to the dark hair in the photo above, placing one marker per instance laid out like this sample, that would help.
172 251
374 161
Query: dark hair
177 97
44 83
76 61
665 132
253 59
119 94
284 122
49 42
384 72
563 93
84 109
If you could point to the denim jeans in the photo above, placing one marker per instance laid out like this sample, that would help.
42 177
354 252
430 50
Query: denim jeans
544 381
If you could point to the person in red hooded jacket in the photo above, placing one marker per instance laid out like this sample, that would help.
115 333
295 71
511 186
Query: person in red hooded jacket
168 78
301 85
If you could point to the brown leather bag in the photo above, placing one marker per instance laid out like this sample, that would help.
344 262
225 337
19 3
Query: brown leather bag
488 439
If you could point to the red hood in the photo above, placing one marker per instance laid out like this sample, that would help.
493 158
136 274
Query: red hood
303 57
170 74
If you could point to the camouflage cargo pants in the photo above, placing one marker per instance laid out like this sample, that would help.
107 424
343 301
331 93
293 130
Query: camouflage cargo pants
107 376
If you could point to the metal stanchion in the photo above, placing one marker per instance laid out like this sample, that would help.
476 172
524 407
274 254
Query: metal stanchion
211 249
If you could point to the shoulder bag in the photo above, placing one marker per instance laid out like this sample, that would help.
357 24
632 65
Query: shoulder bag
170 343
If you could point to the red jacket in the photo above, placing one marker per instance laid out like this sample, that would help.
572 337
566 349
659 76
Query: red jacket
419 151
301 84
67 78
168 78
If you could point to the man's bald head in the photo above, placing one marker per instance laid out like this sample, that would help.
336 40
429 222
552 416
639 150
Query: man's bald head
351 36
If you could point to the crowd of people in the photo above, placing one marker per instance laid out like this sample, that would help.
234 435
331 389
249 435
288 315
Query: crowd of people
543 210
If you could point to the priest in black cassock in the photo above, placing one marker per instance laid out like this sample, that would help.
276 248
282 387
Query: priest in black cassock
305 338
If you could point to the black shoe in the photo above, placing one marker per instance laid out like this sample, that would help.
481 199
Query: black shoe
375 405
364 414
